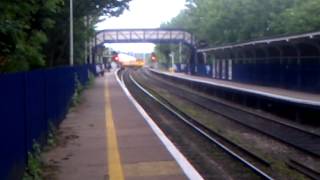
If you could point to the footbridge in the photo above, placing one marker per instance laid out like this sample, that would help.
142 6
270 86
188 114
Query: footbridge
145 36
158 35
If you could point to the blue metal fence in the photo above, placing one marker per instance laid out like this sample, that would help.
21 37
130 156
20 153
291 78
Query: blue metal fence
284 73
183 68
200 69
29 101
292 73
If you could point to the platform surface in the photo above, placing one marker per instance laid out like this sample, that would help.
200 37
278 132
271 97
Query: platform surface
278 93
105 137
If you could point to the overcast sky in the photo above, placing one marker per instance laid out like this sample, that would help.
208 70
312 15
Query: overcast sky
143 14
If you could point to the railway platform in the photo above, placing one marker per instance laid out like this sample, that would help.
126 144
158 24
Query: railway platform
271 92
287 106
109 136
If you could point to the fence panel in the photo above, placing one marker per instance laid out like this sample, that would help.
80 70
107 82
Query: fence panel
29 101
35 107
12 129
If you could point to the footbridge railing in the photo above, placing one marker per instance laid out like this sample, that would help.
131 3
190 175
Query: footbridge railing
145 35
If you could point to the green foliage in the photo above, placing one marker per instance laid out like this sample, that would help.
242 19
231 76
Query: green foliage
163 52
77 93
91 79
34 165
34 169
86 15
22 34
52 135
35 33
76 98
302 17
230 21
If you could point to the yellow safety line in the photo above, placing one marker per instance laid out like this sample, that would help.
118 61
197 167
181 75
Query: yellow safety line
114 163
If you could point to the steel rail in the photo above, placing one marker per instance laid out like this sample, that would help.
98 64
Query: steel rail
262 118
203 133
303 169
226 140
254 113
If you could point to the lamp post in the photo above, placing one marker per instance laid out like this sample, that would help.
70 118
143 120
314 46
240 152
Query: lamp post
71 33
180 57
172 60
180 53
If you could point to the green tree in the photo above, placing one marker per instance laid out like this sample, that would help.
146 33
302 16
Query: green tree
34 33
303 17
86 15
22 34
230 21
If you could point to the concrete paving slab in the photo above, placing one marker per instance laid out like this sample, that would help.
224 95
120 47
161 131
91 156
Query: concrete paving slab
83 142
81 152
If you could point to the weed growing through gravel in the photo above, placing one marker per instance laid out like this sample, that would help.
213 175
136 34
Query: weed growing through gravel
91 79
76 95
33 170
52 136
79 88
35 164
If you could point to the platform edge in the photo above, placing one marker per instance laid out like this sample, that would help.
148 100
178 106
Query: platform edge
182 161
257 92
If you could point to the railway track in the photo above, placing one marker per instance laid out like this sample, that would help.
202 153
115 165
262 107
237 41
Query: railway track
291 163
298 138
308 172
211 136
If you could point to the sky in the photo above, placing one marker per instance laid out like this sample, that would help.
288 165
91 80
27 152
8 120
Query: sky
142 14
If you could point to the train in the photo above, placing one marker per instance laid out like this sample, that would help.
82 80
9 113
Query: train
137 63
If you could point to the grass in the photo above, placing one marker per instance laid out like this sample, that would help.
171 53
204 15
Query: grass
91 79
77 93
282 168
52 140
76 98
35 165
33 170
